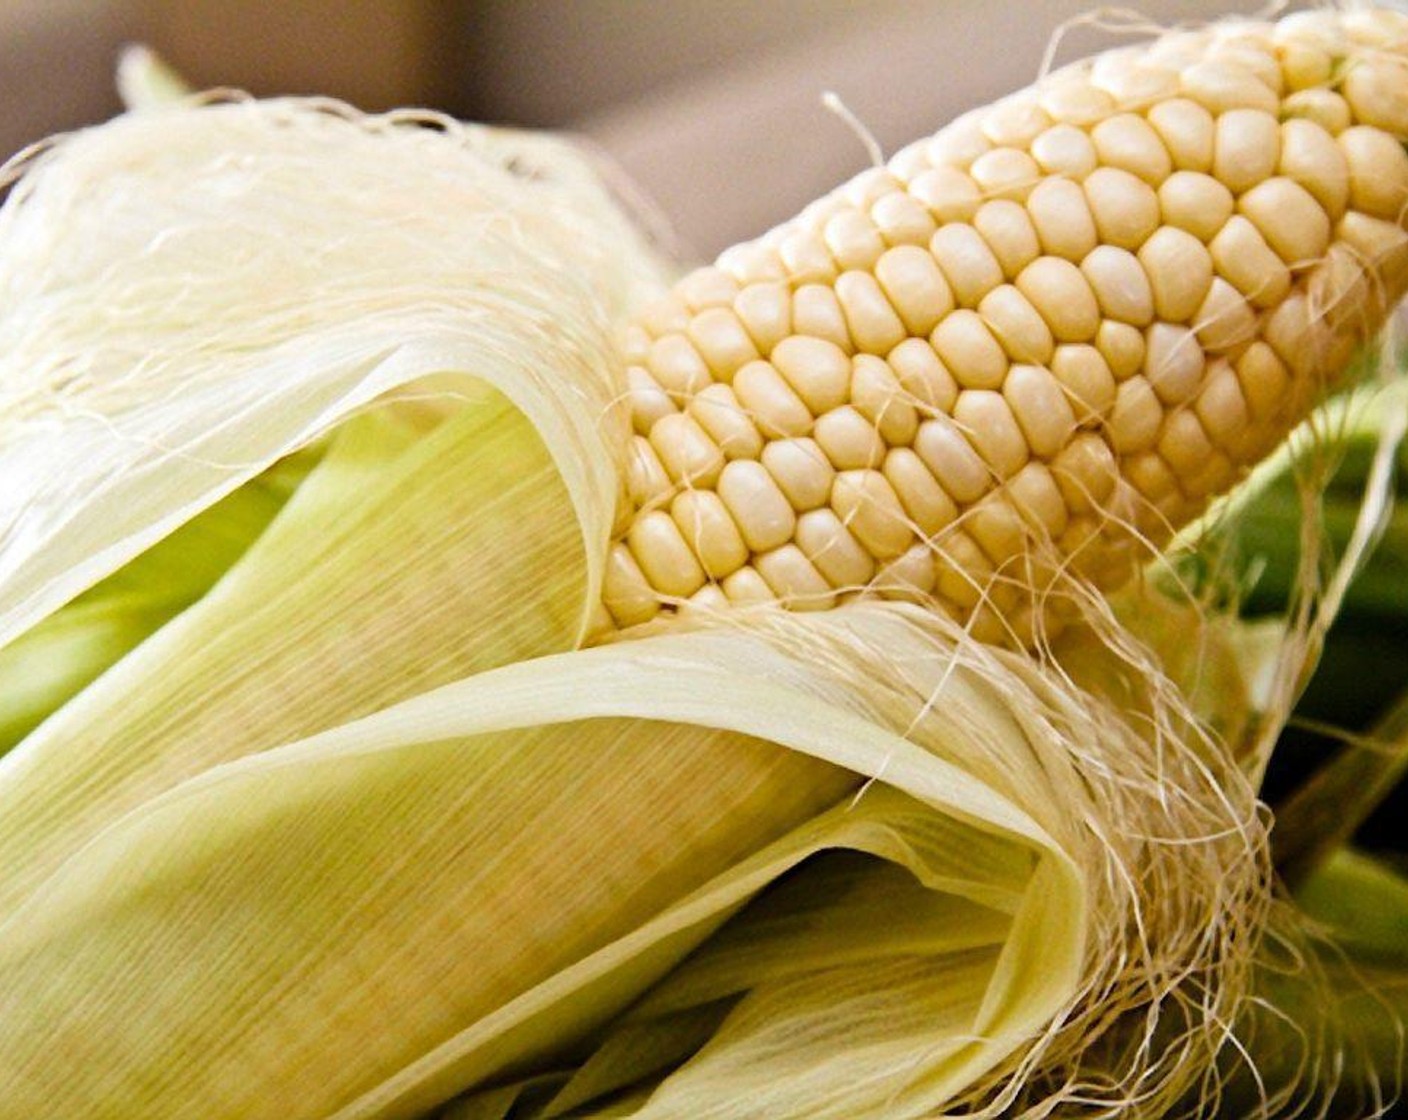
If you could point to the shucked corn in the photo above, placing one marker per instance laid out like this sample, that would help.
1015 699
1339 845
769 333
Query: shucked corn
1043 338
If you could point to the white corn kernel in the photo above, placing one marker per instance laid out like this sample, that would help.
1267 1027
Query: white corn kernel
1311 157
647 401
1005 173
1085 378
1058 290
1075 101
765 310
968 350
1247 148
915 287
833 551
1264 380
1180 273
1040 408
1150 475
721 340
801 470
1183 443
1225 320
677 366
1120 284
853 240
709 286
1289 218
690 457
806 257
647 481
961 142
770 401
1122 347
1195 202
1129 142
1135 418
816 312
874 326
1014 121
923 376
1007 228
1373 86
947 193
1065 150
759 508
1126 208
952 460
867 504
1034 494
747 586
910 575
877 394
1085 471
902 219
1187 130
709 530
966 262
753 262
1062 218
1221 406
794 580
964 572
848 439
1017 325
819 371
1222 89
1244 259
1378 172
722 415
625 592
1173 362
1323 106
986 420
665 559
923 499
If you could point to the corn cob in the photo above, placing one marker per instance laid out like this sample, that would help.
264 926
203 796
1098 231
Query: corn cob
1034 344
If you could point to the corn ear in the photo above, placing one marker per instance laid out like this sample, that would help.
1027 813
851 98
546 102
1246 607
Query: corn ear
1034 344
360 834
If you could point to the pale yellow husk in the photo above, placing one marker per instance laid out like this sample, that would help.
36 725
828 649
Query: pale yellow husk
361 832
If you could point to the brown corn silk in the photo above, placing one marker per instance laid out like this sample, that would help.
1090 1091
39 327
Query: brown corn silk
361 832
1033 345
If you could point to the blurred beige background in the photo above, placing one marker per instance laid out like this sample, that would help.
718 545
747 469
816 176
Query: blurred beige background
712 106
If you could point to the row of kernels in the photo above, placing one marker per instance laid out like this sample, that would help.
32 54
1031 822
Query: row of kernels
1073 307
1252 146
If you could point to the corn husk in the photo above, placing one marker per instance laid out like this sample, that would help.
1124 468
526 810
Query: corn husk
360 832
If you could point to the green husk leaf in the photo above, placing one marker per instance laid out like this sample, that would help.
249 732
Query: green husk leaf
1333 999
43 669
441 865
360 594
